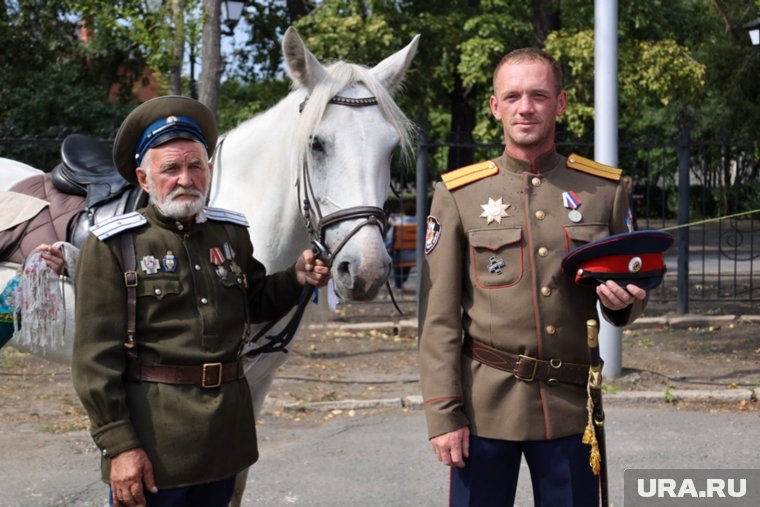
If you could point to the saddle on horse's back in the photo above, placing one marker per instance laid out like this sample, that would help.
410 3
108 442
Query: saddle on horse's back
83 190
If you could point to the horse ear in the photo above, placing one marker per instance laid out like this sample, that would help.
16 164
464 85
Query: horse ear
391 71
303 67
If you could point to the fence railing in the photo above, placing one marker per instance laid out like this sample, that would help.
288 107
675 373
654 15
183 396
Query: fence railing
707 193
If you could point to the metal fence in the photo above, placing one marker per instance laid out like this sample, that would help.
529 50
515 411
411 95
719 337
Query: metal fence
706 192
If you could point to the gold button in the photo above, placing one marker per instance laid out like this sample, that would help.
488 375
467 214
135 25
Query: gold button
546 291
550 329
536 181
543 251
540 214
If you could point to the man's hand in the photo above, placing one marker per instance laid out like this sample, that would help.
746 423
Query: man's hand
53 256
452 448
614 297
129 470
311 270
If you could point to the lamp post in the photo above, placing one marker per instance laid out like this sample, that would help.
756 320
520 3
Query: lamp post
232 11
753 28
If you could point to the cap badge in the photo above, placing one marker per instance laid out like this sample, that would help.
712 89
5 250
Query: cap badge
171 119
494 210
635 264
495 265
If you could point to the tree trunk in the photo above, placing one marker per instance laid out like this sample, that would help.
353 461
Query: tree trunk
211 55
298 9
545 19
175 74
463 115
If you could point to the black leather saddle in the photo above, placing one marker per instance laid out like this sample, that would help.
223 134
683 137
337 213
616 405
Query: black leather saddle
87 169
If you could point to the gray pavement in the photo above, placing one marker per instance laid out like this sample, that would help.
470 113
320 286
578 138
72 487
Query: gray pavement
382 458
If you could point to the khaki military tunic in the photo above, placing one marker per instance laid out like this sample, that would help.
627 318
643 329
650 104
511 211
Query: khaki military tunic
526 306
191 315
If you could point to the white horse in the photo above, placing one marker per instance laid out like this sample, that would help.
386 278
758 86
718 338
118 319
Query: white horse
330 142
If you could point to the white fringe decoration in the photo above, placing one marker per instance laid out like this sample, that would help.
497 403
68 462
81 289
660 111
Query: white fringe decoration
39 320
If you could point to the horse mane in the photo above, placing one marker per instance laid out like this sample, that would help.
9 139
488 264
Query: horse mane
340 76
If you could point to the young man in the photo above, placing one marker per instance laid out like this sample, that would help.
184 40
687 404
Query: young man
170 409
503 353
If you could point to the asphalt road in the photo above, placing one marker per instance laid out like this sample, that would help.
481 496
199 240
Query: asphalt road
383 459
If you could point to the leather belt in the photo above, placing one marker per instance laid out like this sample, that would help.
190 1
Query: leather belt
207 375
526 368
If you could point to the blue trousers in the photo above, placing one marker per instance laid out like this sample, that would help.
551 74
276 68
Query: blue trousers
212 494
559 472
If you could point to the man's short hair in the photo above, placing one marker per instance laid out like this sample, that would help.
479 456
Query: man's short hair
530 55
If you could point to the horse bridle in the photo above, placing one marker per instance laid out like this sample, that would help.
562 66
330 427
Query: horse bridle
311 212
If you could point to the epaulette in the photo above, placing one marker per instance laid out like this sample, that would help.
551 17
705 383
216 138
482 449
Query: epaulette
225 215
586 165
117 224
468 174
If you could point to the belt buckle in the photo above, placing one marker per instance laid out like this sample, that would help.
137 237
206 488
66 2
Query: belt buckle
130 278
206 366
532 374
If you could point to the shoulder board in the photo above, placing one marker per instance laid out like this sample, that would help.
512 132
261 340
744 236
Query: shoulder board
118 224
225 215
468 174
586 165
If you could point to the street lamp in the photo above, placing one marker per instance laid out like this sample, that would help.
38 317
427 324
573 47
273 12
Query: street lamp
754 31
232 10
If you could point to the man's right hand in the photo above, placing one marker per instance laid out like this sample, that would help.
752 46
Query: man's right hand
452 448
129 470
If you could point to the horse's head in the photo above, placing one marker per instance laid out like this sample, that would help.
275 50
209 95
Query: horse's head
347 133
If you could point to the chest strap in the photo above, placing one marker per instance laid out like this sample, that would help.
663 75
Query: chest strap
526 368
130 281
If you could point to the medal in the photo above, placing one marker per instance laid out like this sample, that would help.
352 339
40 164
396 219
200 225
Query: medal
571 201
150 265
495 265
216 256
229 253
494 210
169 262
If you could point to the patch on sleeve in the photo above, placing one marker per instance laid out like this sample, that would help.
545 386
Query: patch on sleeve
432 233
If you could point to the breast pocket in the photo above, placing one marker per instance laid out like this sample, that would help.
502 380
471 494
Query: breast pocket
580 234
497 257
158 288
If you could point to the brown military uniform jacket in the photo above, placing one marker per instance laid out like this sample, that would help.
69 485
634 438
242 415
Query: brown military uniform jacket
189 315
527 307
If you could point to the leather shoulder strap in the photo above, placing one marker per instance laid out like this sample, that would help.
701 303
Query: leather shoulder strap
130 281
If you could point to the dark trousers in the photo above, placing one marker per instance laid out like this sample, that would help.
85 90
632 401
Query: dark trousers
559 471
212 494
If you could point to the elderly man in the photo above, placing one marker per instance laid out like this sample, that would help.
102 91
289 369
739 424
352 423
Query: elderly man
163 302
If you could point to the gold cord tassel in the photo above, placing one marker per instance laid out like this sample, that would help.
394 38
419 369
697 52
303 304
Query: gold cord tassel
589 436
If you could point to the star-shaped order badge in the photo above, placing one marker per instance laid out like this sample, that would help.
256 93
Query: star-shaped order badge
494 210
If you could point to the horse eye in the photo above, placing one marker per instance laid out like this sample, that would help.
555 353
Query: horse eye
316 145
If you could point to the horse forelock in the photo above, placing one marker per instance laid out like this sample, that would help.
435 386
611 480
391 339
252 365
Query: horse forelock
340 76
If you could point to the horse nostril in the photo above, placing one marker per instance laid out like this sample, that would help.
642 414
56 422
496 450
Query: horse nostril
345 275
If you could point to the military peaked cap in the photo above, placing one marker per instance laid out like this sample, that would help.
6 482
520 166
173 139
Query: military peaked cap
156 122
628 258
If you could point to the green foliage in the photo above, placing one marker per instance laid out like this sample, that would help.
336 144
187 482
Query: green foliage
241 101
